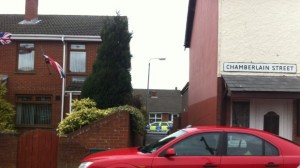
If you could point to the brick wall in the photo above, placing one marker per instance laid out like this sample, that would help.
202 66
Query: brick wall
108 133
70 153
8 150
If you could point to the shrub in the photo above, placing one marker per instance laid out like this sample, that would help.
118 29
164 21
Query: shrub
85 112
7 113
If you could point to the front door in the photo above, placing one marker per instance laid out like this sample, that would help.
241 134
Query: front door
272 115
271 122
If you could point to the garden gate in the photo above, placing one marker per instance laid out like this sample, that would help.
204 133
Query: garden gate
38 149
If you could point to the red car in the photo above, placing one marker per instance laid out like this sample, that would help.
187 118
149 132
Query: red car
208 147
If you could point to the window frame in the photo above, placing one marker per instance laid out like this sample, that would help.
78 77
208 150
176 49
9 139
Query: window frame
156 117
234 121
77 50
34 101
31 49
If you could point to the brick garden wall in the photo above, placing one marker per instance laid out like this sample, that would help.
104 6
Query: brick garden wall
108 133
8 150
111 132
70 153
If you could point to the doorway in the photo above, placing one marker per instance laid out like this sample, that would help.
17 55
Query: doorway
272 115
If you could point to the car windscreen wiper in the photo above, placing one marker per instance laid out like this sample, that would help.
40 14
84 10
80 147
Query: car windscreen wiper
143 149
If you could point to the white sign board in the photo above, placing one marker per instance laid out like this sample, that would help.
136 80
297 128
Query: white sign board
256 67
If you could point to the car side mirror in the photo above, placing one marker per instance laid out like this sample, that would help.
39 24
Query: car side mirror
170 152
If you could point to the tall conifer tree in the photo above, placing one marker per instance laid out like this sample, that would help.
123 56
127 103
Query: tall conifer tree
109 85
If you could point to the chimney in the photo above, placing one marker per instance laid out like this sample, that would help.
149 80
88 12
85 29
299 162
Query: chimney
31 10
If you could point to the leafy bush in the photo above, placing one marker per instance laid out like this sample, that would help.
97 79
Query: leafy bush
85 112
7 113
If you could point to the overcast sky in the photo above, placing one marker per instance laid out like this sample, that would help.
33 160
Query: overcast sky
158 28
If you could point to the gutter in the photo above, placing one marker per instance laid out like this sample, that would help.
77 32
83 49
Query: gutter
189 23
50 37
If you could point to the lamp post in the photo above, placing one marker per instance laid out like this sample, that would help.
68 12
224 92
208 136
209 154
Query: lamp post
147 94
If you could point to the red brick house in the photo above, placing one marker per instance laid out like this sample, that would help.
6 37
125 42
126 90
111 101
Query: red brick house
243 65
164 105
40 96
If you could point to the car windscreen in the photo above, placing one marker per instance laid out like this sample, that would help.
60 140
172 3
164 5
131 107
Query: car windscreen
158 144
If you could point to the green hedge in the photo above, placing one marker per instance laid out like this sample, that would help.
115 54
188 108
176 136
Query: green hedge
85 112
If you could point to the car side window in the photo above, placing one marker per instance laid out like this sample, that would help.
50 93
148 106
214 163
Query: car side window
239 144
270 150
204 144
164 124
155 124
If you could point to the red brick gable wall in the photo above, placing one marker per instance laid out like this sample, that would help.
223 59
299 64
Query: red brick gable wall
203 86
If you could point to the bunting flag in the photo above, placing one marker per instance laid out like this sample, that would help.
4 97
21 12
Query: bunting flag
55 65
5 38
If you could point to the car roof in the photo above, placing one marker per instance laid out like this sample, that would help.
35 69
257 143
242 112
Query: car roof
222 128
161 122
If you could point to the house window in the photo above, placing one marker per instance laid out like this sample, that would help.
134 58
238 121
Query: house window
170 117
26 57
154 94
155 117
33 110
77 58
240 113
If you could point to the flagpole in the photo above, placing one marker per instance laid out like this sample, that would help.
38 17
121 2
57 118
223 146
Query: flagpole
63 79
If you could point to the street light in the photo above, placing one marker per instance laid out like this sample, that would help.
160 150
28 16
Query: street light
147 94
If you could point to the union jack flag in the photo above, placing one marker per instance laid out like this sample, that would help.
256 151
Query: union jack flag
55 65
5 38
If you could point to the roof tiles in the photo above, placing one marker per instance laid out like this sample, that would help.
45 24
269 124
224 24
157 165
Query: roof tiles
54 24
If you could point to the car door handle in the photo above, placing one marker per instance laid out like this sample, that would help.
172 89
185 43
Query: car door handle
271 164
209 165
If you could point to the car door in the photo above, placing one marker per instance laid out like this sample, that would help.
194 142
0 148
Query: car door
249 151
164 126
196 151
153 126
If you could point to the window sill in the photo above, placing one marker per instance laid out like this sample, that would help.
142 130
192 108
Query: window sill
24 72
33 126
